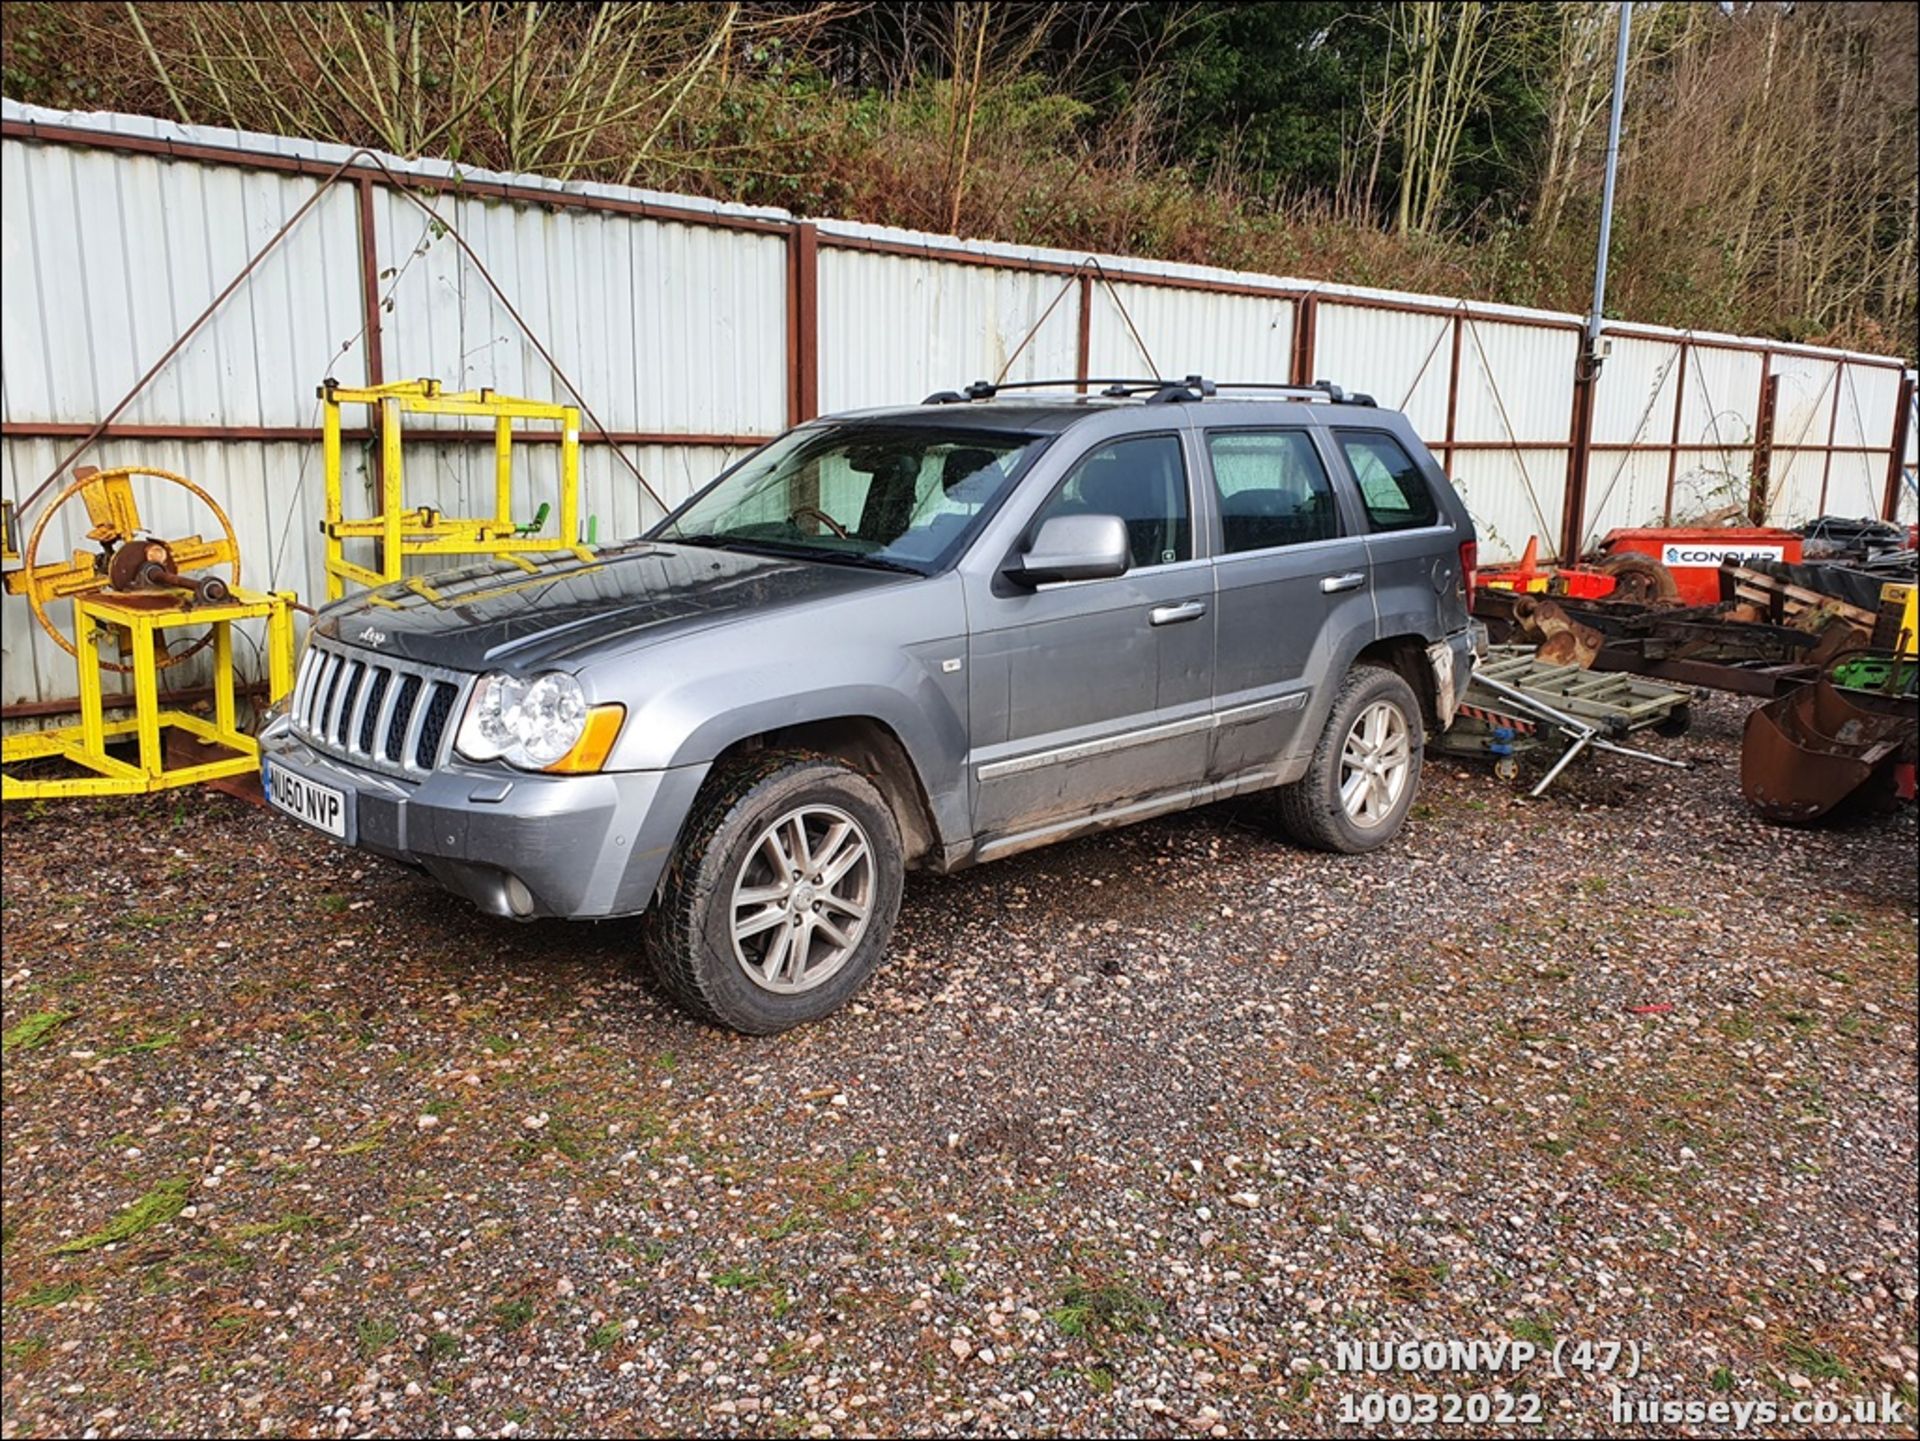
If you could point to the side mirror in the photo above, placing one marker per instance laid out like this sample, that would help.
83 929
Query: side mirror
1074 547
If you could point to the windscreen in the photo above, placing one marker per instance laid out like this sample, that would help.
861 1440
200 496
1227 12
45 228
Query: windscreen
904 496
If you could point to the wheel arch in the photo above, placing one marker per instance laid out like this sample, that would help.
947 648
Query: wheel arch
1406 655
870 746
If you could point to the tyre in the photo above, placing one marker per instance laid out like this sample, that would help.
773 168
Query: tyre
1361 782
781 897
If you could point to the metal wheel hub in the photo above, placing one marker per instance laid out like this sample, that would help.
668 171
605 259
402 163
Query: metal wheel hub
1376 762
802 899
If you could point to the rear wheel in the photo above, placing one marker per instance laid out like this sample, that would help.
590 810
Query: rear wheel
781 898
1361 782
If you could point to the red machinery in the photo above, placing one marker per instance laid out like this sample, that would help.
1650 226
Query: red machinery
1693 554
1647 564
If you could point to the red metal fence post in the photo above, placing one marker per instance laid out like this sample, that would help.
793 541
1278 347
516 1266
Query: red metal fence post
370 320
1833 429
1306 313
1083 353
803 323
1573 519
1897 454
1453 396
1757 497
370 282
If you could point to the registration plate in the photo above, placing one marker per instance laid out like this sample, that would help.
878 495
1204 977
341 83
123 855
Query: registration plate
322 807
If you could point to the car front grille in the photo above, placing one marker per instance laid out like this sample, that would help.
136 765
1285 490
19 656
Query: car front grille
373 710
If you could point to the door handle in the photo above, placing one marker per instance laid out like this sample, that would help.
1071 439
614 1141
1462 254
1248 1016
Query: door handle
1174 614
1352 580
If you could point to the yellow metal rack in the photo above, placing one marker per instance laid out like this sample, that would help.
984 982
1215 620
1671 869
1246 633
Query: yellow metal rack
86 743
135 587
422 530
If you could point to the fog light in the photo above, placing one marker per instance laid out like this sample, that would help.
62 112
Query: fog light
519 898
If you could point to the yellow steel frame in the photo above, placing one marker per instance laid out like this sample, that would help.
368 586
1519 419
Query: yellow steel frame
85 744
422 531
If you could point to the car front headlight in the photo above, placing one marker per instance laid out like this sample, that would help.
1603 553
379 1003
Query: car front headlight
539 724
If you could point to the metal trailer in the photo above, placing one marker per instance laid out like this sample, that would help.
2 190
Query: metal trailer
1516 704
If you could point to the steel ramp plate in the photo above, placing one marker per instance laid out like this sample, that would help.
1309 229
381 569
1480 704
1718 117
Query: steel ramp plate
1609 699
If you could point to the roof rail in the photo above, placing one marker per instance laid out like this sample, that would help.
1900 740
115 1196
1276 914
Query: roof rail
1155 391
987 389
1319 390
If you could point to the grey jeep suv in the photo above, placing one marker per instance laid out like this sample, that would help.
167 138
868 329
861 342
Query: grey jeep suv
919 637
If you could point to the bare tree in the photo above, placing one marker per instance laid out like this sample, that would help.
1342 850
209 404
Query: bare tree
529 86
1438 64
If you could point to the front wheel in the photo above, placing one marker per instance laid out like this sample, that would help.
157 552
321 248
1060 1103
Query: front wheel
781 897
1361 782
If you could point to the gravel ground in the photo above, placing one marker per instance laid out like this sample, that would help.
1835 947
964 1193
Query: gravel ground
1124 1139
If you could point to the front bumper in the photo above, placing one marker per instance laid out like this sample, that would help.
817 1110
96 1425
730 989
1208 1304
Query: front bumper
585 847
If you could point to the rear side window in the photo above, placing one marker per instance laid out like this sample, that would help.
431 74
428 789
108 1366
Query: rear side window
1273 490
1142 480
1394 491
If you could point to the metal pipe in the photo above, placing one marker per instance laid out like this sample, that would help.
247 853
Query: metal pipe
1613 162
1566 759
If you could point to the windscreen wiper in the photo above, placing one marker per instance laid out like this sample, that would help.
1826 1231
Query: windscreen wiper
748 546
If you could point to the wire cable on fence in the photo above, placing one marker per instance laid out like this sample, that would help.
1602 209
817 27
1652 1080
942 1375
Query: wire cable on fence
253 263
420 248
1446 326
1091 263
1626 455
467 250
1519 455
181 340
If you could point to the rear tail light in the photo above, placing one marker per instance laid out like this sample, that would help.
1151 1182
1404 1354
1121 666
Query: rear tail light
1469 567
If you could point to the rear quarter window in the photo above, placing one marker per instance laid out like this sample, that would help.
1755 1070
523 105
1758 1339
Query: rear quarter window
1395 493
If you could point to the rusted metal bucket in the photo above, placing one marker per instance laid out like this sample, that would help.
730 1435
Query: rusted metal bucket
1562 640
1812 749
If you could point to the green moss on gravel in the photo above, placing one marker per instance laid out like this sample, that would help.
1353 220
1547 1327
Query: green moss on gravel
33 1031
158 1206
49 1294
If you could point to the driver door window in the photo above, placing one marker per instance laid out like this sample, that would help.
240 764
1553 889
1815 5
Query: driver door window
1143 480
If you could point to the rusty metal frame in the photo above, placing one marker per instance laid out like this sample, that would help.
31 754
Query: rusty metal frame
44 133
234 155
124 700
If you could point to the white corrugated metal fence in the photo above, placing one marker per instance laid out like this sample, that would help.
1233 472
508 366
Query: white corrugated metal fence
693 330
